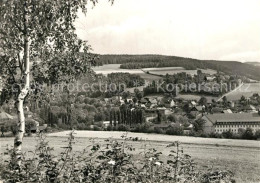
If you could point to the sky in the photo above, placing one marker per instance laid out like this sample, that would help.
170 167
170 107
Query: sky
202 29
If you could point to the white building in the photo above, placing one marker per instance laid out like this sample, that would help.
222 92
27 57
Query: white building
220 123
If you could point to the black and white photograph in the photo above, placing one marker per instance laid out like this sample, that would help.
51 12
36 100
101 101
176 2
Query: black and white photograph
129 91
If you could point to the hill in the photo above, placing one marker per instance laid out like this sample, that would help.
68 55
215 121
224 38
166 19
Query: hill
148 61
253 63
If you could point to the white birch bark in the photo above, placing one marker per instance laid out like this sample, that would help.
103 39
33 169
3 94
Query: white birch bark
24 90
20 105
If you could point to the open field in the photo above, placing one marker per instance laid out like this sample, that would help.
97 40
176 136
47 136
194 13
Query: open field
149 77
113 68
163 138
241 156
247 90
175 70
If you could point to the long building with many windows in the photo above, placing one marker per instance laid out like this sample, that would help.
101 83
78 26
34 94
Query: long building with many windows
220 123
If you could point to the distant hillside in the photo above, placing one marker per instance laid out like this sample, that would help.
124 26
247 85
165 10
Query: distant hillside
146 61
253 63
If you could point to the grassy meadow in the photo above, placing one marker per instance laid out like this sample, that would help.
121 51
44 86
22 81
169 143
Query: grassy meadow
240 156
247 90
113 68
175 70
196 97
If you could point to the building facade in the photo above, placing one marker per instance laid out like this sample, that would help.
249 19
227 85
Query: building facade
220 123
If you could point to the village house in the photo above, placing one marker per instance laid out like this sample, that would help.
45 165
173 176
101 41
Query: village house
161 110
129 101
169 103
188 129
249 109
216 110
107 124
219 123
196 110
227 111
122 102
144 101
107 100
152 103
210 78
143 106
193 103
231 104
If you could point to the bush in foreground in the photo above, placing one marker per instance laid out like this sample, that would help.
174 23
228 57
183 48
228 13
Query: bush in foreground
110 162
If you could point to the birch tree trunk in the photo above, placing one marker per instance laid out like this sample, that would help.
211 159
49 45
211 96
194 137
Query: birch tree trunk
20 104
24 90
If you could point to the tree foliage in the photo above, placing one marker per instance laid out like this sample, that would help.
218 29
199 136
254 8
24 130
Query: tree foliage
54 46
199 125
38 40
203 101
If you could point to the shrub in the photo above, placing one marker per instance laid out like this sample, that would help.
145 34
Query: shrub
109 128
150 130
159 130
13 128
175 130
4 128
172 118
215 135
82 126
248 134
122 127
64 126
217 176
257 134
97 128
228 134
142 127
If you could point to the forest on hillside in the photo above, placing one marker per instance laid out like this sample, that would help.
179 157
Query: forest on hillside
148 61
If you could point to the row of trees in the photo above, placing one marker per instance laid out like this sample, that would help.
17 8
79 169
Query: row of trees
126 116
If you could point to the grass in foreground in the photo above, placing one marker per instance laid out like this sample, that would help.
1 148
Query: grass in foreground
110 161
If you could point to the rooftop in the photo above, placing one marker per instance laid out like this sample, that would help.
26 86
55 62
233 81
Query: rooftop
234 117
228 111
198 108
